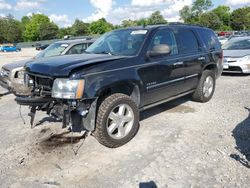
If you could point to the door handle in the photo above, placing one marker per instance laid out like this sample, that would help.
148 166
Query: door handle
201 58
178 63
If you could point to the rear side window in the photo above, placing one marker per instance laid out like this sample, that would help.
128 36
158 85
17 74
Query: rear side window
187 41
210 39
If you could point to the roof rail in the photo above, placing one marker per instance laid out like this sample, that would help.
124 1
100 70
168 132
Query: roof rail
181 23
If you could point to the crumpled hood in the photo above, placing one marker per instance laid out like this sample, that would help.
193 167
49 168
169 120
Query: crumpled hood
236 53
62 66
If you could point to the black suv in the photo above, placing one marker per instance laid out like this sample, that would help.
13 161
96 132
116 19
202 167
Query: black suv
123 72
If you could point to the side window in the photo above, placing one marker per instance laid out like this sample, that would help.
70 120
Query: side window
187 41
164 37
77 49
210 39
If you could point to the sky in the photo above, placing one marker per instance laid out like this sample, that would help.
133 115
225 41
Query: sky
64 12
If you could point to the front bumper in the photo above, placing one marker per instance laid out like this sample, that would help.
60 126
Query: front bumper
236 67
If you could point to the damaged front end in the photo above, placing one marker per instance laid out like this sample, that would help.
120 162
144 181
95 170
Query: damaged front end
61 99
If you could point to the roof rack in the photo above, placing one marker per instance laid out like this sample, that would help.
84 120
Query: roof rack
181 23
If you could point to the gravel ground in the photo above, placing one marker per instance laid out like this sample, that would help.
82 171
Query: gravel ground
179 144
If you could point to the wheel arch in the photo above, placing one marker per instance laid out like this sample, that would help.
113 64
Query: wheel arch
212 67
130 88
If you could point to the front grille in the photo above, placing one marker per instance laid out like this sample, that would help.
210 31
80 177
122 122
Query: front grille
47 82
42 85
5 72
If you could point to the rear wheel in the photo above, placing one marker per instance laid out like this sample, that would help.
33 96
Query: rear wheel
205 90
117 121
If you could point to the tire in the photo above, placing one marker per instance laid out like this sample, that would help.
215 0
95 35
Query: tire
201 93
5 51
124 105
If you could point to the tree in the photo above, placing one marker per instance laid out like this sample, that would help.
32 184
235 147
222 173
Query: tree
142 21
240 19
156 18
63 32
10 30
192 14
201 6
31 32
47 31
79 28
25 20
211 20
186 15
128 23
223 12
100 26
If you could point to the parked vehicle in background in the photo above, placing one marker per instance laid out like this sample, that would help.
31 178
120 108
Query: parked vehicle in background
42 47
11 75
9 49
123 72
225 33
237 55
223 39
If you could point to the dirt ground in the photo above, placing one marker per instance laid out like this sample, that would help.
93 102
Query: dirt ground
180 144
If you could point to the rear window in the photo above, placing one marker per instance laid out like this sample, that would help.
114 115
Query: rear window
187 41
210 39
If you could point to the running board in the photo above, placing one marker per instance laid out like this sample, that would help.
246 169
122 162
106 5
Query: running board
165 100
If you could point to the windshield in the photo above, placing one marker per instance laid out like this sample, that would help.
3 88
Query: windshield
121 42
53 50
237 45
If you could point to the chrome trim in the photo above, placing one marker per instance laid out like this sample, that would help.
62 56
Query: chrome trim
172 81
178 63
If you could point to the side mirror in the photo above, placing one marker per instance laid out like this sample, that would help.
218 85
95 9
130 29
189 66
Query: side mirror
159 50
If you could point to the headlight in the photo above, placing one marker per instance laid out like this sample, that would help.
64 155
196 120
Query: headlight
20 74
68 89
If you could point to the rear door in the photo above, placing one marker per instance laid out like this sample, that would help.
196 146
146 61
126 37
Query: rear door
191 54
163 76
212 48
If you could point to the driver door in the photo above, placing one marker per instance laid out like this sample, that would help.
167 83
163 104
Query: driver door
163 76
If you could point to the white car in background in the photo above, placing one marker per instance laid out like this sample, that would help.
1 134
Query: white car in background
223 39
237 55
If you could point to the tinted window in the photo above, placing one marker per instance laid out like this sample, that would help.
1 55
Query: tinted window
210 39
164 37
187 41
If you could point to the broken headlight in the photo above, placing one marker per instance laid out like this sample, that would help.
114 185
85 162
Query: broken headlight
20 74
68 89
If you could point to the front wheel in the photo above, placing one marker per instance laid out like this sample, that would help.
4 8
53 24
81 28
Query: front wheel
205 89
117 121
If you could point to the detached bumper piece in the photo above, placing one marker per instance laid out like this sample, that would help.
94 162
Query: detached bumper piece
78 116
28 101
35 104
